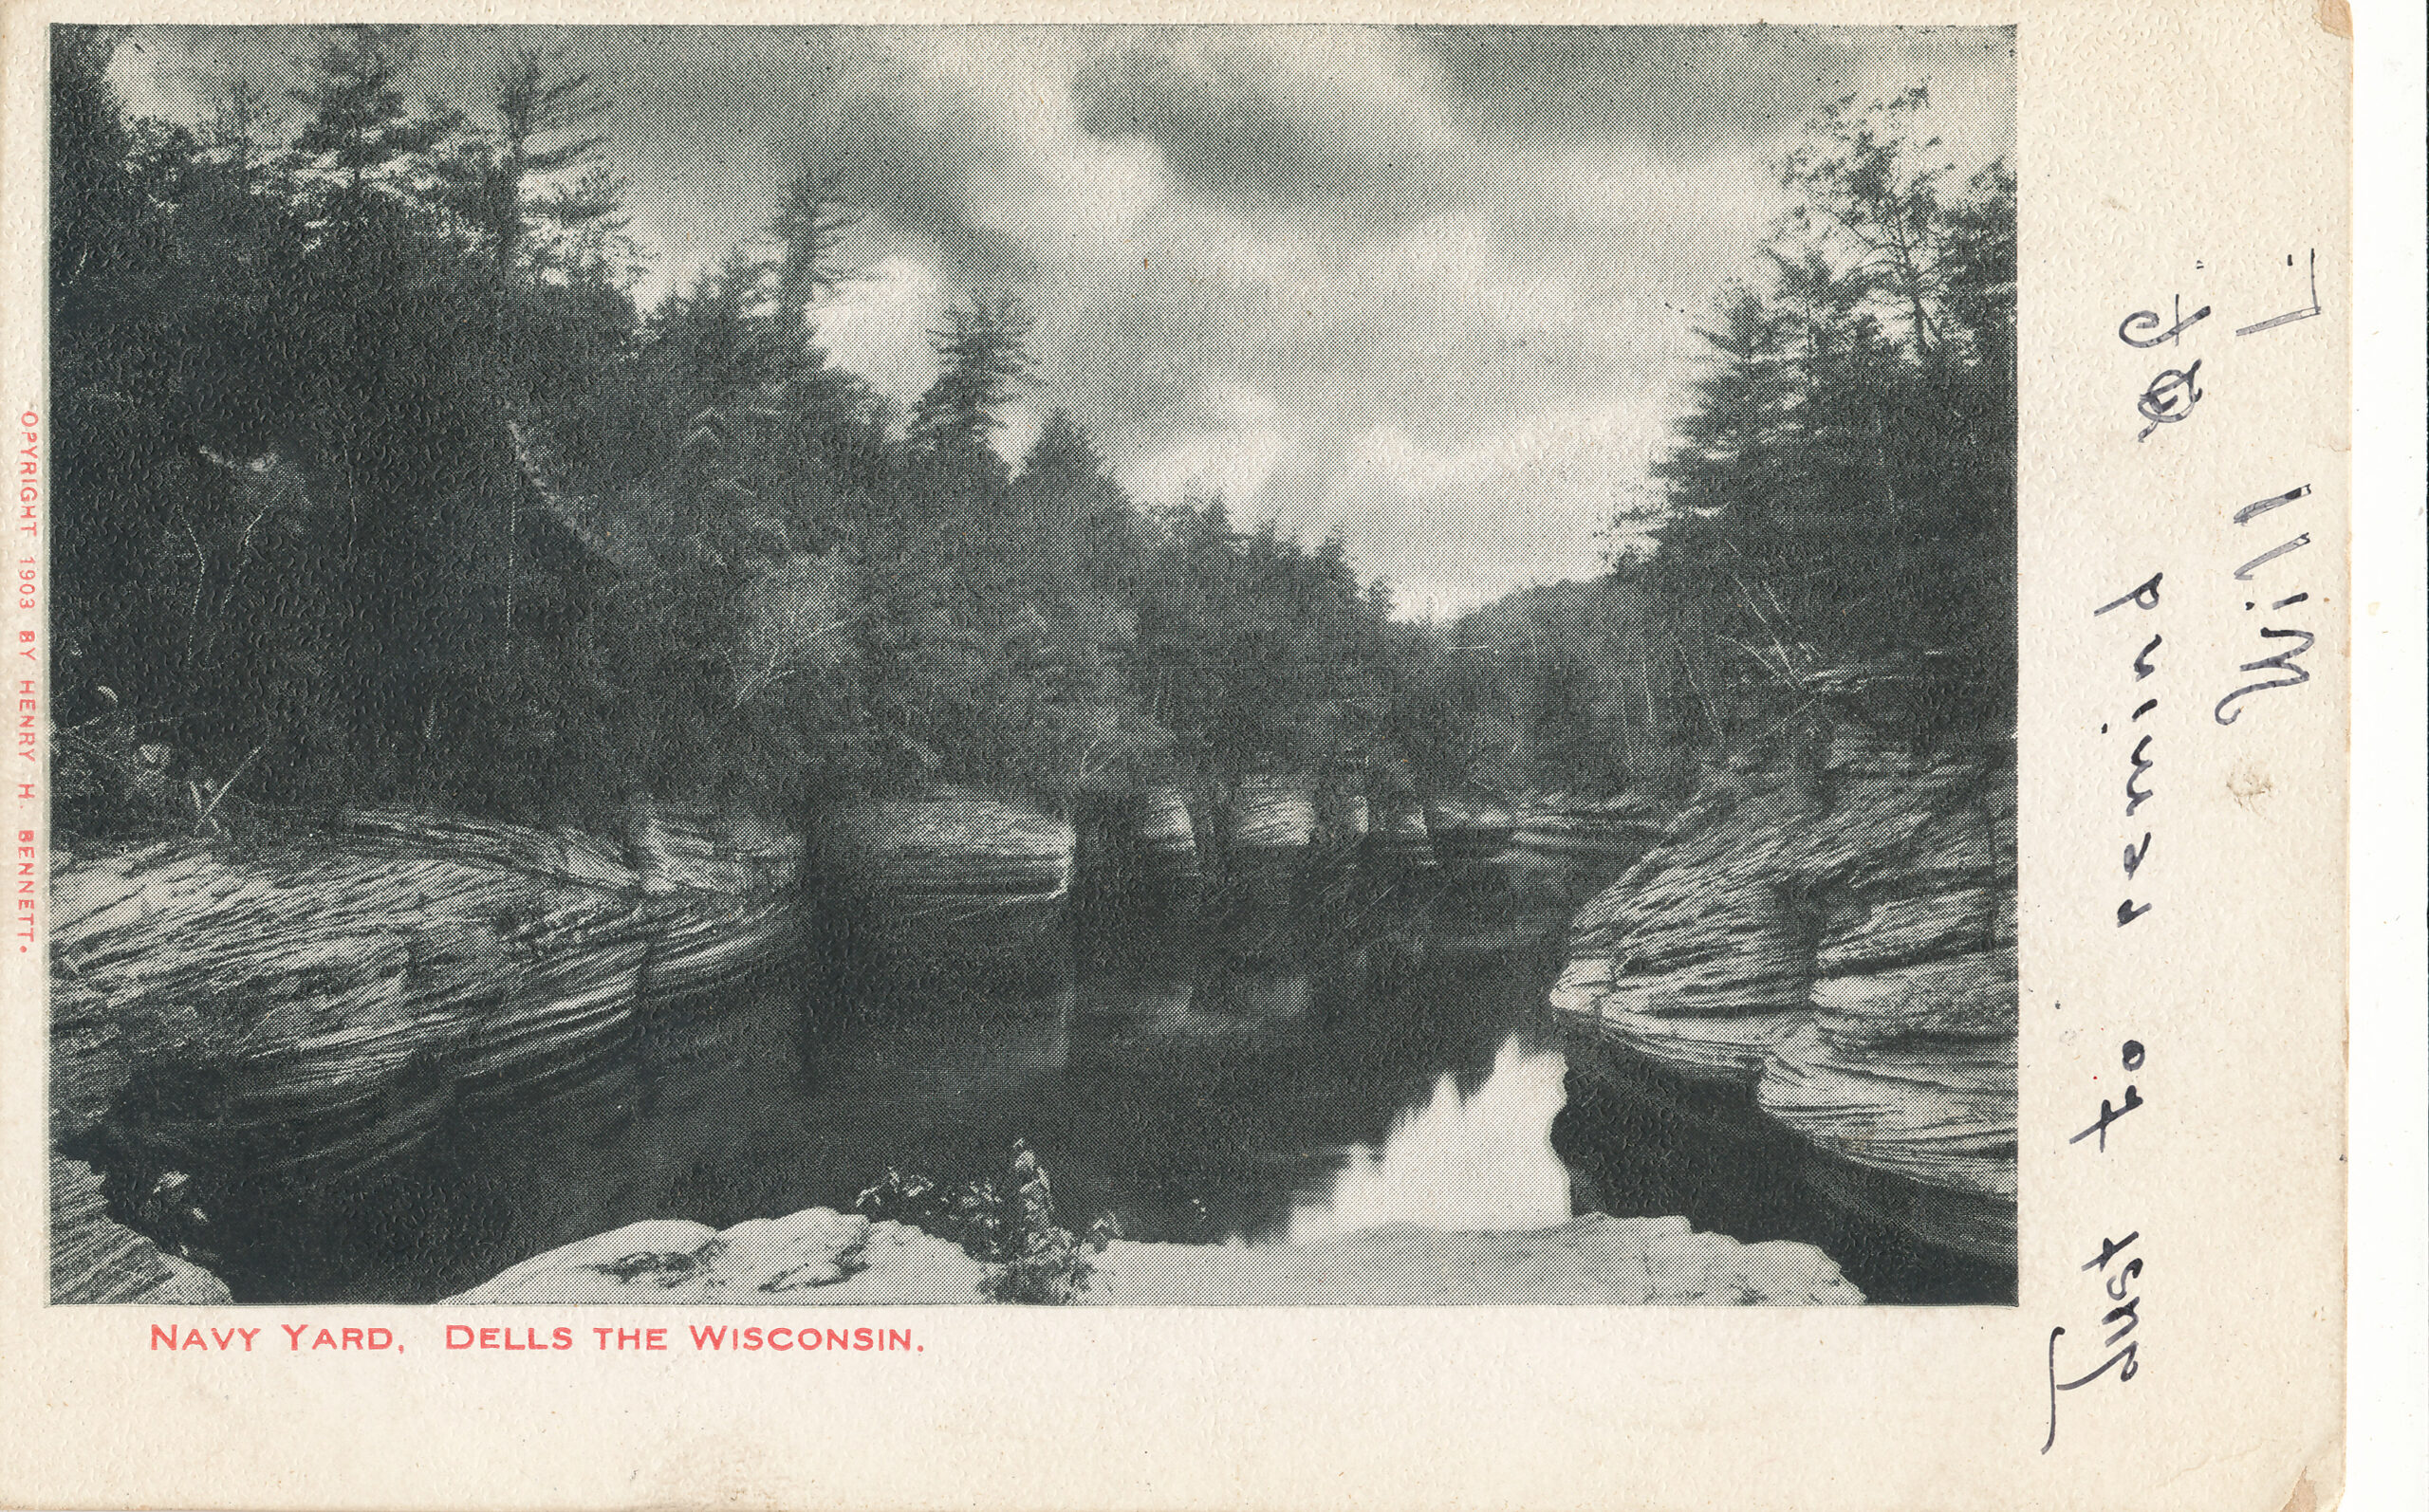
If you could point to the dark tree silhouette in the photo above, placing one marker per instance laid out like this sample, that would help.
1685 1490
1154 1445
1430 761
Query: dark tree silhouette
984 360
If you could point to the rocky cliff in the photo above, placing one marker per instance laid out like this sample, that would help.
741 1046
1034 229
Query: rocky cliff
1590 832
289 1013
948 883
1272 817
1163 834
1838 935
1469 827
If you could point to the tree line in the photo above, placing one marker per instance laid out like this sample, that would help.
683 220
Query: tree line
376 483
1843 491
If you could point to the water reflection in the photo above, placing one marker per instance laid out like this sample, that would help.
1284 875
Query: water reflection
1261 1068
1461 1160
1250 997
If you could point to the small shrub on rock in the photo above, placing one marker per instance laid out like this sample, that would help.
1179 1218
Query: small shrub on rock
1030 1257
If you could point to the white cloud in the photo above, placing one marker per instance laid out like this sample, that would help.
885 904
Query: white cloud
1456 526
1022 427
876 326
1056 191
1240 405
1237 463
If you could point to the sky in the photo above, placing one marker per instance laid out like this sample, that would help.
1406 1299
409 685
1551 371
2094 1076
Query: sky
1433 288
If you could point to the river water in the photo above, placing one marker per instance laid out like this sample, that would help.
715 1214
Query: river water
1201 1074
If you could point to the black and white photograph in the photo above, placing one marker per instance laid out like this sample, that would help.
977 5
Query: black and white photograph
1125 666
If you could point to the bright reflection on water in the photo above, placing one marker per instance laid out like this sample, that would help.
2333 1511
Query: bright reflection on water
1481 1160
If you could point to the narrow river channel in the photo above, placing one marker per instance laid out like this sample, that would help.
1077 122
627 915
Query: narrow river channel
1200 1075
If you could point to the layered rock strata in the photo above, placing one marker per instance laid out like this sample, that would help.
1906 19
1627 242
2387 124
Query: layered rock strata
1344 816
949 881
1141 841
820 1256
1842 940
1605 833
1401 836
296 1011
1270 817
1163 835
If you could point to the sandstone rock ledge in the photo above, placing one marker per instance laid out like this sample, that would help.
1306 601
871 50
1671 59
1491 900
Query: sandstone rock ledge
957 882
287 1013
1840 938
820 1255
817 1255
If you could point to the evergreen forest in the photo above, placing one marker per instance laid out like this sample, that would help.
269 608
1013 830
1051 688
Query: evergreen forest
376 483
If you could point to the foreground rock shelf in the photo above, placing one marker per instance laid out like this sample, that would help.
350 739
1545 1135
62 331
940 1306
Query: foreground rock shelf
96 1259
1842 940
819 1256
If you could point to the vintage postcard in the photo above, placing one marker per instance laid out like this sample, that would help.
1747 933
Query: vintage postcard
876 759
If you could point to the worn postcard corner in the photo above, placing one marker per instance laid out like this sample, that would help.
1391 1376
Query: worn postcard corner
1210 761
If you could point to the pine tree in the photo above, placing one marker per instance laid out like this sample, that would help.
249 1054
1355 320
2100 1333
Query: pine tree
984 360
1843 488
360 145
809 229
486 180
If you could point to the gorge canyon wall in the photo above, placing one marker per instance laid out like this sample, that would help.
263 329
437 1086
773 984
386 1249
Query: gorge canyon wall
1837 935
287 1014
